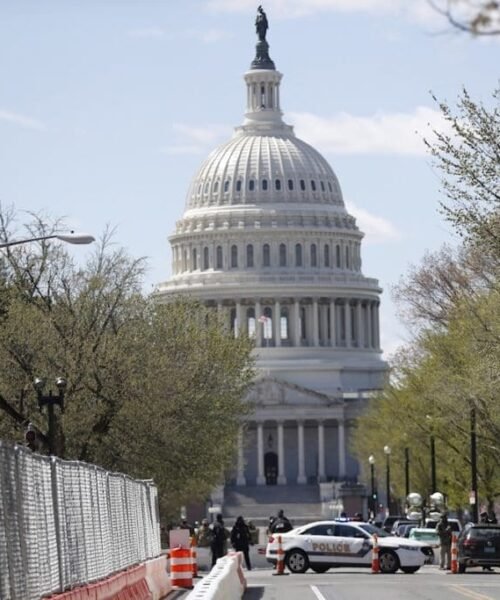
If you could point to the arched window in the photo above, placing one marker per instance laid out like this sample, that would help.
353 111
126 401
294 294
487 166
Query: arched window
298 255
264 184
290 184
195 259
199 188
302 185
282 255
330 187
314 256
347 258
337 255
238 186
207 187
313 185
226 186
251 185
234 257
205 258
216 187
218 254
322 184
266 256
327 255
250 255
277 184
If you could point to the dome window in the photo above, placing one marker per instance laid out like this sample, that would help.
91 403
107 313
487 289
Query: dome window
298 255
251 185
234 257
277 184
216 187
218 254
327 255
205 258
207 187
200 188
226 186
250 256
330 186
337 252
290 184
266 256
282 255
264 184
314 256
302 185
313 185
238 186
322 184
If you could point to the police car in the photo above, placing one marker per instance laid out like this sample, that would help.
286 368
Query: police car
325 544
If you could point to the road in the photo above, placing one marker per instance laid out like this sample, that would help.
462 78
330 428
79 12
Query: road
359 584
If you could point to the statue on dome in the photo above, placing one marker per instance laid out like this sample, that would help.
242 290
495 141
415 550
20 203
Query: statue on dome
261 24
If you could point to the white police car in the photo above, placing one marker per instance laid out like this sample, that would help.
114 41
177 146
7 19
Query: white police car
325 544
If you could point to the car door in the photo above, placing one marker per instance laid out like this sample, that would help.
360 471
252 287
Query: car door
352 544
318 543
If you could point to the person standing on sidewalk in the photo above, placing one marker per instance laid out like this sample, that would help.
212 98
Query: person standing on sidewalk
241 539
443 529
219 537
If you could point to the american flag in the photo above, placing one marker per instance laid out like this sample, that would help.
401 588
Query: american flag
263 319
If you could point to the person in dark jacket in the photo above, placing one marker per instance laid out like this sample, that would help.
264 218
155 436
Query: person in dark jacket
443 529
219 537
241 539
281 524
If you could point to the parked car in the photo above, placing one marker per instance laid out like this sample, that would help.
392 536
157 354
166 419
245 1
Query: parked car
455 524
390 520
428 536
322 545
479 546
403 529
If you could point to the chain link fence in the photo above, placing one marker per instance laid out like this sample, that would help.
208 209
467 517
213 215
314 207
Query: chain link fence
67 523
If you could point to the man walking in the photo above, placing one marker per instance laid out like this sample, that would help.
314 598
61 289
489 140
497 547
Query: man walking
281 524
443 529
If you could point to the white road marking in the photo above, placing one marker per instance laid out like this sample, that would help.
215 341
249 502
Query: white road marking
317 593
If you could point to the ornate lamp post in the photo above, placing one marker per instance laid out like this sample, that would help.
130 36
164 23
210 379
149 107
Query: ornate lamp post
387 452
373 499
50 400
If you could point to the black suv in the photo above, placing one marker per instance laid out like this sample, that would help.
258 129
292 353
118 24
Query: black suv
479 546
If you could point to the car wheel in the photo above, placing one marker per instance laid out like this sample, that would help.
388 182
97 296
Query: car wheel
388 561
461 567
297 561
320 568
409 570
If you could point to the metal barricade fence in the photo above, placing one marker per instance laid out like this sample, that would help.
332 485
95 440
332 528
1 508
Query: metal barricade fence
67 523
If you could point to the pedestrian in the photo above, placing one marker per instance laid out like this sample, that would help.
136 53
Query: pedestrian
443 529
185 525
204 535
281 524
219 537
484 517
241 539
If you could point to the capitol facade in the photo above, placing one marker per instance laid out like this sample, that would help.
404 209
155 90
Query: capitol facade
266 240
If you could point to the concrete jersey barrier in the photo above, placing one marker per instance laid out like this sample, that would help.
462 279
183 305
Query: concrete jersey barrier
225 581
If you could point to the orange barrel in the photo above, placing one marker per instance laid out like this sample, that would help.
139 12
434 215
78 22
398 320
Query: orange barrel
375 561
181 568
280 563
194 557
454 553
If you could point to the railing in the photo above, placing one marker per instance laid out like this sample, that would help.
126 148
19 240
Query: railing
67 523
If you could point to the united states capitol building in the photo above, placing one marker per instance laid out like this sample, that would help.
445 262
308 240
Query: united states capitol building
266 240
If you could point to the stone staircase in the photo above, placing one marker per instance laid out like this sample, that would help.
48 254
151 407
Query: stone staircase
301 503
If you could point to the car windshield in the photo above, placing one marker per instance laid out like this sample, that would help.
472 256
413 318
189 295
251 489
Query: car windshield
484 534
371 529
423 535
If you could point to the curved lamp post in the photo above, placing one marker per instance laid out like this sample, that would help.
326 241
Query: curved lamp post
69 238
373 503
387 452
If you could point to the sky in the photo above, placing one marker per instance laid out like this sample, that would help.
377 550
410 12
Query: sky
109 107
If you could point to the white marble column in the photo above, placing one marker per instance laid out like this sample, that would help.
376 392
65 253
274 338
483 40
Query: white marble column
261 479
341 453
277 323
239 319
347 324
301 477
359 324
259 327
321 452
333 324
240 478
376 328
296 323
369 341
281 454
338 323
315 324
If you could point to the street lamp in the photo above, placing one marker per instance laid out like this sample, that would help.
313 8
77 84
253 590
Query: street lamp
387 452
70 238
433 465
473 464
374 500
49 400
407 472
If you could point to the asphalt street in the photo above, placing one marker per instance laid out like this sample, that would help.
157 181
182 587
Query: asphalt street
359 584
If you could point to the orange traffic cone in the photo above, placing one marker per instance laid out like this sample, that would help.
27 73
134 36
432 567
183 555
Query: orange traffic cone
181 570
194 557
375 561
280 563
454 553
